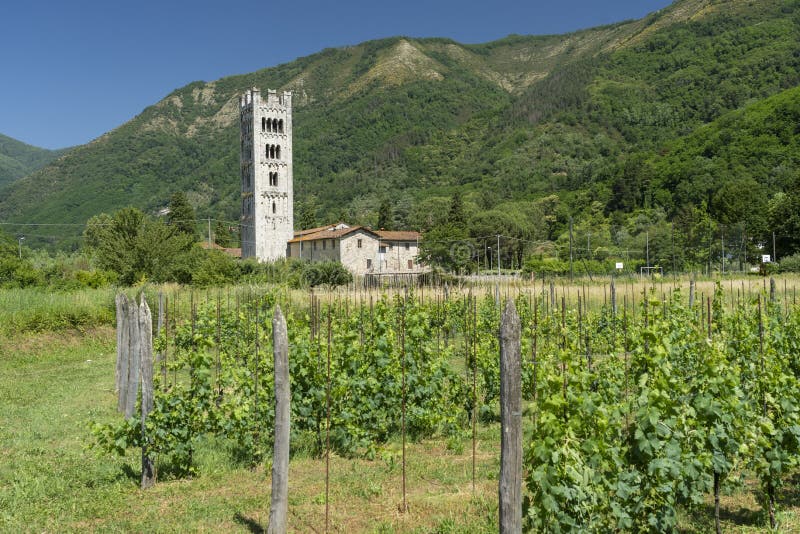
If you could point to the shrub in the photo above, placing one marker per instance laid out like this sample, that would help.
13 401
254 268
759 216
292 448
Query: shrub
215 268
329 273
790 264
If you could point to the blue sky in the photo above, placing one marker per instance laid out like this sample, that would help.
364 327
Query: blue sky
72 70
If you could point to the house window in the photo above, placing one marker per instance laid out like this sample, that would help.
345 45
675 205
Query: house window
369 263
301 246
315 245
382 250
263 124
273 207
358 244
333 243
408 245
410 264
324 244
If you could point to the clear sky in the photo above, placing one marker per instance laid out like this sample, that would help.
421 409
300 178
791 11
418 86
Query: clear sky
72 70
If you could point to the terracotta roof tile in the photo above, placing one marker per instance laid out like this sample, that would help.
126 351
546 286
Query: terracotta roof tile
299 233
398 235
330 234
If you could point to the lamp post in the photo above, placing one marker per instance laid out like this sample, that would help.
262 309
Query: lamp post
20 239
490 258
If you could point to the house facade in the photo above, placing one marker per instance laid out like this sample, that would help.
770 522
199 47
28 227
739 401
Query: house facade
360 249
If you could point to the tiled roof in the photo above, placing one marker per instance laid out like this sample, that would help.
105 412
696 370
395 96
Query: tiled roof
299 233
398 235
329 234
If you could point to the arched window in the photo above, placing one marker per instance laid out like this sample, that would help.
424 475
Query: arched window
280 126
263 124
273 207
278 151
274 125
272 151
266 150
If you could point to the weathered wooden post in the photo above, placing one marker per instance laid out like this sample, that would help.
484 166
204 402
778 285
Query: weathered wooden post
160 357
280 456
123 351
146 347
510 487
691 293
134 360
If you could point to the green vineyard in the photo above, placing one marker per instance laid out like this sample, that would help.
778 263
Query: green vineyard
637 405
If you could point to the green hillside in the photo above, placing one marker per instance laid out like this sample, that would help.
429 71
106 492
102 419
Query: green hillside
18 159
607 118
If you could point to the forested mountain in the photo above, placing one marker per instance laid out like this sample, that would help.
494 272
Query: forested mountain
18 159
665 118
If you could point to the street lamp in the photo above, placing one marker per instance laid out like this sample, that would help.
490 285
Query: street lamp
19 242
490 257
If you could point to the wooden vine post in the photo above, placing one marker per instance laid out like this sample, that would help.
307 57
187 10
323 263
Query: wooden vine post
121 302
510 486
279 505
146 348
135 366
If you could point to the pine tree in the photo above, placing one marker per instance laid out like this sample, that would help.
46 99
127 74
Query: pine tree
222 234
307 213
385 215
181 214
457 215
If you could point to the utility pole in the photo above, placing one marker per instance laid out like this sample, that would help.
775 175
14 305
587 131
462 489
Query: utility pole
498 254
589 245
722 240
647 248
674 267
209 232
570 250
19 242
774 254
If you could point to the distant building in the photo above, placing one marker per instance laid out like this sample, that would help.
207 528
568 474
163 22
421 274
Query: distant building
267 198
360 249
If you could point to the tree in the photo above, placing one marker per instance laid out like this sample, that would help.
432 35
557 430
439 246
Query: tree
447 246
456 215
784 214
307 213
181 214
139 248
14 271
222 234
385 215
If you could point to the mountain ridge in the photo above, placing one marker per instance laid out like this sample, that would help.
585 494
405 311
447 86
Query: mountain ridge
407 118
18 159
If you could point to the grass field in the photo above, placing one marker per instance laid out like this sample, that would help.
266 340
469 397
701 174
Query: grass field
54 381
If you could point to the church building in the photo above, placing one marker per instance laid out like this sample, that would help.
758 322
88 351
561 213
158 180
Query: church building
267 197
266 171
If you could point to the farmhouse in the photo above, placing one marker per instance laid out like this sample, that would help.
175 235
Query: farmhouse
360 249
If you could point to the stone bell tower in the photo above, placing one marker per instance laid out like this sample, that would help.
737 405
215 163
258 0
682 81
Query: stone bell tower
266 169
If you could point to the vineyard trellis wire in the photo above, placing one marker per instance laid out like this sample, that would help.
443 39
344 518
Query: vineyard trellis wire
631 412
